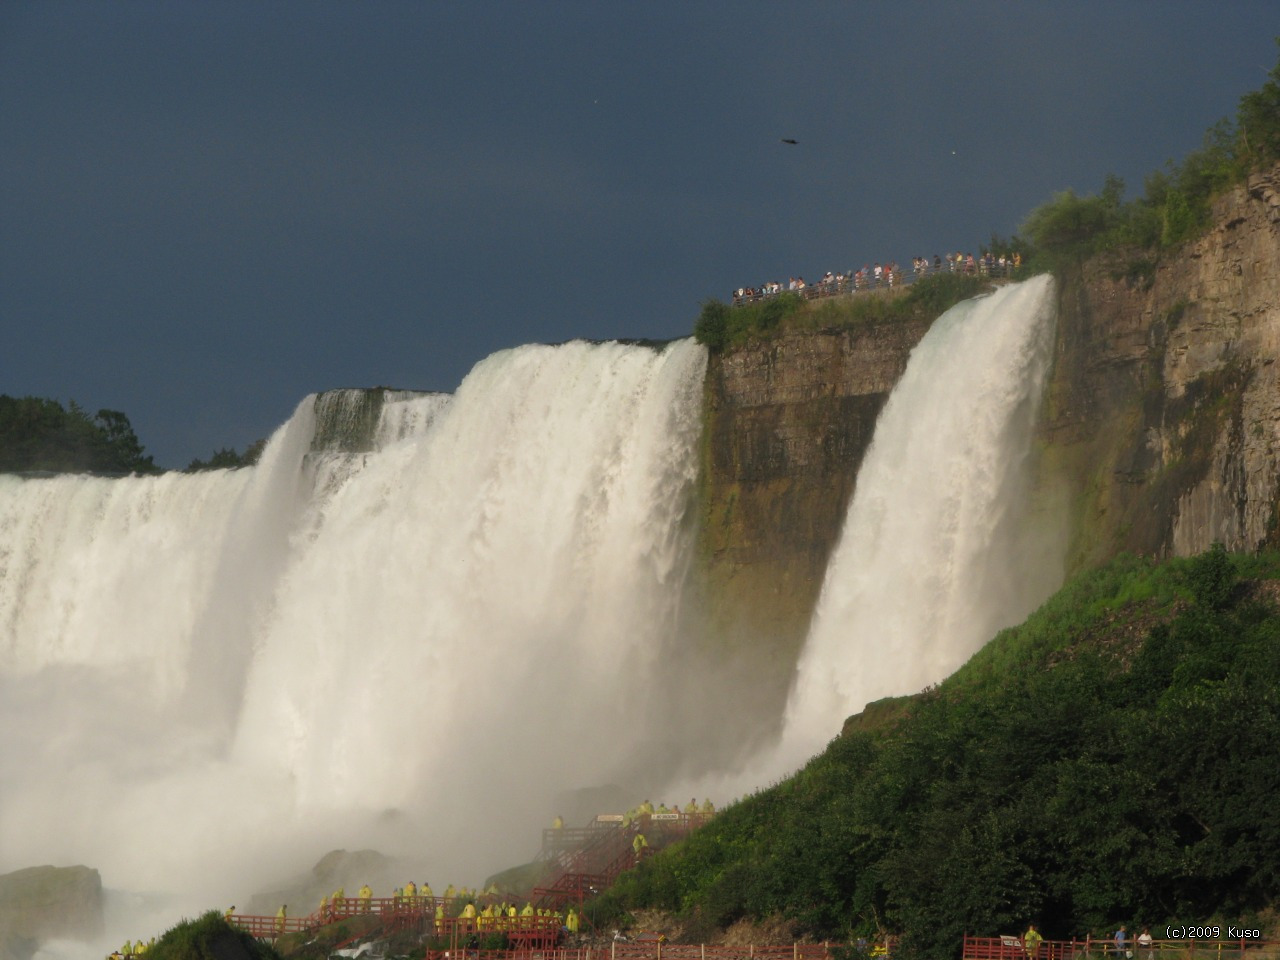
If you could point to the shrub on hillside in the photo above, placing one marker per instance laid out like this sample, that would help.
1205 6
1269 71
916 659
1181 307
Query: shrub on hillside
209 937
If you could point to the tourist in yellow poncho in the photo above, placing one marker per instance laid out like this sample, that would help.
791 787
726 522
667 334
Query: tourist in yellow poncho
1031 941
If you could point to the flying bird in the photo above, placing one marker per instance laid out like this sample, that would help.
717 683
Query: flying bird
785 140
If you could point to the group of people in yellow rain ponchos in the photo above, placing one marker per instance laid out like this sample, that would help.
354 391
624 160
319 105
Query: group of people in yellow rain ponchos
455 902
132 949
691 809
503 917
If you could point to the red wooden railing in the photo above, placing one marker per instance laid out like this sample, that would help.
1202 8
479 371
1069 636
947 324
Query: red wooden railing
647 950
584 861
1010 947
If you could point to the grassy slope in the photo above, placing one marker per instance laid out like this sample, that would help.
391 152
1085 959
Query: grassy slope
1112 759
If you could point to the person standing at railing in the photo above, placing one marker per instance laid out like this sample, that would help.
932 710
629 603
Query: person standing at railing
231 910
1145 944
1031 941
281 915
1121 939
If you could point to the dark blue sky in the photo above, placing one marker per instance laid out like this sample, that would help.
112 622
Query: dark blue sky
211 209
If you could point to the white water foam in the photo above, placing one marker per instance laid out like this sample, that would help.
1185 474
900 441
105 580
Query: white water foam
208 680
205 678
938 551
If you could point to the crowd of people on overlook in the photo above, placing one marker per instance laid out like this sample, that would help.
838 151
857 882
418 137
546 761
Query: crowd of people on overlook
640 843
887 274
692 809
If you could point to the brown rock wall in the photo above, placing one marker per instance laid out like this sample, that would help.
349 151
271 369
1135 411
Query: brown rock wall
1164 412
789 421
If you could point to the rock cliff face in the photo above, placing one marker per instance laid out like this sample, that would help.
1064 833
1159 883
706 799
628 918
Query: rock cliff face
44 903
1162 423
788 422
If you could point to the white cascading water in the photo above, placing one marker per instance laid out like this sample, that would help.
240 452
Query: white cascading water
939 550
208 680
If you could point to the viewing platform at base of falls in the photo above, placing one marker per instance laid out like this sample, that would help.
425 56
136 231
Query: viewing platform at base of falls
581 862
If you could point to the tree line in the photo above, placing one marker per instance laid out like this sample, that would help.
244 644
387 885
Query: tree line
1175 204
38 435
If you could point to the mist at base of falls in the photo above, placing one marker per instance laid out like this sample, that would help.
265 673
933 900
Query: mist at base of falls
207 681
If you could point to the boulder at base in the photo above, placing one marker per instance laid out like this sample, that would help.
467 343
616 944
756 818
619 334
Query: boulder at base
46 903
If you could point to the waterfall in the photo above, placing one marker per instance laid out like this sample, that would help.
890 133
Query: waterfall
420 617
205 677
939 550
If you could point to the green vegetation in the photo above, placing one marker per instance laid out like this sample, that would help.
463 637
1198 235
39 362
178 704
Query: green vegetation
209 937
40 435
1176 202
721 326
1106 762
227 458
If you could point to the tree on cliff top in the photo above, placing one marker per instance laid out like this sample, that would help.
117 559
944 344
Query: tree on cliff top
40 435
1258 121
1176 201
